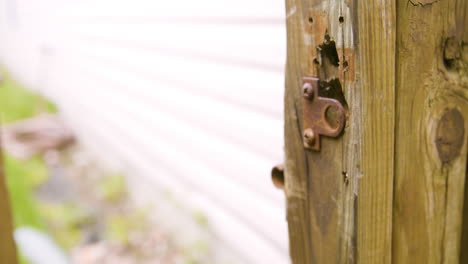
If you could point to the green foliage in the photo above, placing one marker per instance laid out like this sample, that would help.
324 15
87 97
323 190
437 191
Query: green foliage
22 175
66 221
112 187
22 178
120 226
195 251
200 218
18 103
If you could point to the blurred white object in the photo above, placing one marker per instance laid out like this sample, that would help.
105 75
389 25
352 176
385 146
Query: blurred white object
38 248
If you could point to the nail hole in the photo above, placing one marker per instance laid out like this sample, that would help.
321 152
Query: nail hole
345 177
311 20
341 19
345 64
316 61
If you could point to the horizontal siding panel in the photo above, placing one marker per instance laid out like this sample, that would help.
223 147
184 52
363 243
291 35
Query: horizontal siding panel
226 227
23 59
242 237
234 83
186 96
263 10
214 149
245 204
243 126
120 154
220 43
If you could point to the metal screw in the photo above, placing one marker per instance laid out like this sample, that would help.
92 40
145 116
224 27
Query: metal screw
307 91
309 137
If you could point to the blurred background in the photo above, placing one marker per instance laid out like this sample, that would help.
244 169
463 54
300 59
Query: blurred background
144 131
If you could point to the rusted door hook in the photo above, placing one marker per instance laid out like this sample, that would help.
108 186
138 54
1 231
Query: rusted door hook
314 114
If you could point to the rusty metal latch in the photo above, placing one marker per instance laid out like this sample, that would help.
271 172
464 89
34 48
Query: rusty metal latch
314 114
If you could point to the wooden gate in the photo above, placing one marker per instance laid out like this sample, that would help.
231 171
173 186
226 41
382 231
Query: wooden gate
391 187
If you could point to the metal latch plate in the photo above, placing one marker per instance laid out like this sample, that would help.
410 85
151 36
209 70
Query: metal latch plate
314 114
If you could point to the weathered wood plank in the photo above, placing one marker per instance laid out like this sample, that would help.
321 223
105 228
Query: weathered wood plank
431 145
7 245
412 83
321 186
376 35
464 239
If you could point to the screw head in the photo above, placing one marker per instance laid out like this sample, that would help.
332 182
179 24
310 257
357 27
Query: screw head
307 91
309 137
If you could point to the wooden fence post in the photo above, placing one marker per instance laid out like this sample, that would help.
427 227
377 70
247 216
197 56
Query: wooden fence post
391 188
7 245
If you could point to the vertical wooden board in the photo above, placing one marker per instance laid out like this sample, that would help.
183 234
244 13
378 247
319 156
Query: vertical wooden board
464 234
431 145
376 38
321 186
7 245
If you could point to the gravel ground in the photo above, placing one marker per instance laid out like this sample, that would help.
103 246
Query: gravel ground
87 210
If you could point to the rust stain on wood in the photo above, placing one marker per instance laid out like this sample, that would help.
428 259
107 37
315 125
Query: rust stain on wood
323 52
347 64
316 24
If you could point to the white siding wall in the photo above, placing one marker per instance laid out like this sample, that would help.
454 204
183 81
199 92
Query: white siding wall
187 93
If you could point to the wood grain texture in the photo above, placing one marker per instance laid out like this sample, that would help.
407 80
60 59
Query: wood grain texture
464 234
376 35
321 186
404 151
431 145
7 245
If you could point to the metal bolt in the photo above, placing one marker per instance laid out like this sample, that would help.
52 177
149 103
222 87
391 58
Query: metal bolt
307 91
309 137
